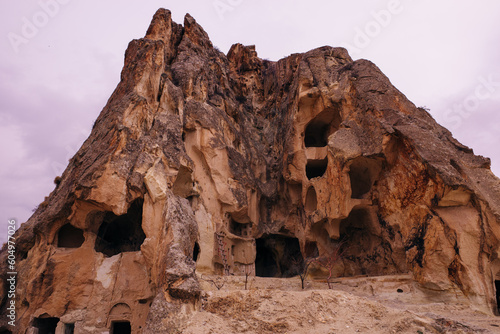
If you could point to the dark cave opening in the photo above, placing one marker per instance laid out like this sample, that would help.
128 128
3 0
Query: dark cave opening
196 252
316 168
69 236
120 327
278 256
265 261
46 325
118 234
321 127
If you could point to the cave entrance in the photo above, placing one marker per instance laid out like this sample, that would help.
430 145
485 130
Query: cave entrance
321 127
265 261
278 256
69 236
497 289
316 168
46 325
118 234
120 327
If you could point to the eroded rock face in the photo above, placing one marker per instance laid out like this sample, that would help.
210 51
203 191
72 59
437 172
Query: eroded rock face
233 164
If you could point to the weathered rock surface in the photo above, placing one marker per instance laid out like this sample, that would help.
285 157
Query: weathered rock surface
202 162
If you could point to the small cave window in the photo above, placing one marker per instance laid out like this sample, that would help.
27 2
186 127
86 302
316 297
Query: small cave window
278 256
196 252
363 173
239 229
46 325
311 200
321 127
123 233
316 168
120 327
69 236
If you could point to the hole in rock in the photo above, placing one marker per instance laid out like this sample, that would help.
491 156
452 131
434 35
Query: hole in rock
239 229
316 168
311 200
196 252
123 233
321 127
497 289
69 236
120 327
69 328
278 256
46 325
363 173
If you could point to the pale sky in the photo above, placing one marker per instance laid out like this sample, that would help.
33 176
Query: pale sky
60 61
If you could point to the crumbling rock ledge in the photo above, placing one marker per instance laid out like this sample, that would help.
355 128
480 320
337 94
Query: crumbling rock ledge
202 162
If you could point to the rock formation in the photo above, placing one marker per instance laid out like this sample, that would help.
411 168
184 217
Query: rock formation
213 164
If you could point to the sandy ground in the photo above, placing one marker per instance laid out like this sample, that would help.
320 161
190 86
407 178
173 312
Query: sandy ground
390 304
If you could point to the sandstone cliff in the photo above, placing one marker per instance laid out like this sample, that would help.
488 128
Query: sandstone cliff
213 164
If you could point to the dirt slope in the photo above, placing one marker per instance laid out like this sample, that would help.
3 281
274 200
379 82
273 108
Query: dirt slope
390 304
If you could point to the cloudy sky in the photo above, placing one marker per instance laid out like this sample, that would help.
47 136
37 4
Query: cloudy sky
61 59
